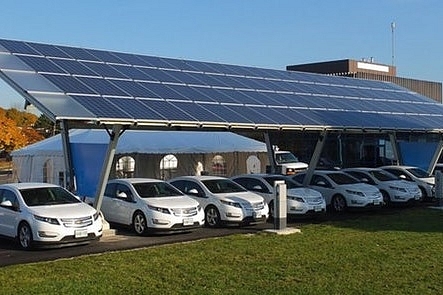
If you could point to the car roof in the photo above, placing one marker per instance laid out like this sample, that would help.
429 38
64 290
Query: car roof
259 175
399 166
365 169
28 185
134 180
198 177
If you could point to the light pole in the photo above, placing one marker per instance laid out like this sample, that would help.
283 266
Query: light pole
393 43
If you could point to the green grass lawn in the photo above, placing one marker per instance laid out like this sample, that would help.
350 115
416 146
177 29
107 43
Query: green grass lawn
392 252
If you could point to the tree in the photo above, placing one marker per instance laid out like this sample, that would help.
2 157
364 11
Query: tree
12 135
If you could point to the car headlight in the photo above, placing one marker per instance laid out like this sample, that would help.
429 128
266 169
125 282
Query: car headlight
360 194
298 199
47 219
230 203
96 215
400 189
159 209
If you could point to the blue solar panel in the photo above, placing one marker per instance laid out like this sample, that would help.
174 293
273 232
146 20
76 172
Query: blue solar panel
74 67
107 84
102 86
102 107
49 50
78 53
69 84
104 70
18 47
41 64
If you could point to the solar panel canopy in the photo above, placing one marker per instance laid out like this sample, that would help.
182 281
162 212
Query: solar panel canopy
103 87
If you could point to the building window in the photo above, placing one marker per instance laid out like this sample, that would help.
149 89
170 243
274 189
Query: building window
168 166
219 166
125 167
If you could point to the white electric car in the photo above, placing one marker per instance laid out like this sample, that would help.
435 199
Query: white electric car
42 214
149 205
223 200
342 190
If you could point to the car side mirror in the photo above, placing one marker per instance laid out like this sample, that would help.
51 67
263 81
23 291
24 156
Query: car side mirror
122 195
321 183
8 204
364 179
194 192
257 188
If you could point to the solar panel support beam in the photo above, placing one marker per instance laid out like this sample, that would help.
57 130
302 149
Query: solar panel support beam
114 136
436 156
395 150
315 157
69 179
270 152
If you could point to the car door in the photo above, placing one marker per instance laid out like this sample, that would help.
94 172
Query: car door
118 203
323 185
8 214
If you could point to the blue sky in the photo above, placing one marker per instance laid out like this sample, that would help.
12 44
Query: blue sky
261 33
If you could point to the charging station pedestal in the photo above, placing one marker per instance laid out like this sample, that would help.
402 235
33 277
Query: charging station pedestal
280 209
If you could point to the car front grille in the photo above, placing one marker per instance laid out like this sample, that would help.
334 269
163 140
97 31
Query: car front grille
314 200
184 212
258 206
77 222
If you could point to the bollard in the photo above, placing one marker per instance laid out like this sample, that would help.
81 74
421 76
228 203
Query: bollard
280 205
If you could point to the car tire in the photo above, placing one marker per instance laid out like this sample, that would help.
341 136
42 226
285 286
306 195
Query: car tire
212 217
386 198
271 209
24 236
338 204
139 223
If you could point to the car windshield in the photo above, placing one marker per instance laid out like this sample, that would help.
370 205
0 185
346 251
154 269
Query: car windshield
418 172
289 183
342 178
156 190
382 175
221 186
42 196
285 158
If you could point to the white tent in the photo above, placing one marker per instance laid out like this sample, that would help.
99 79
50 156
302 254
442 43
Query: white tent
194 151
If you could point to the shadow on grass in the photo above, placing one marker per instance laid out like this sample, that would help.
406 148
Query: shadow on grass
421 218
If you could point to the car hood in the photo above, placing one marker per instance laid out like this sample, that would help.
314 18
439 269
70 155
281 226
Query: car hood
63 211
361 187
241 197
303 192
172 202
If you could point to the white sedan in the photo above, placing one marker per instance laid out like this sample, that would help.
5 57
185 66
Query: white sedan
342 190
150 205
393 188
223 200
42 214
300 200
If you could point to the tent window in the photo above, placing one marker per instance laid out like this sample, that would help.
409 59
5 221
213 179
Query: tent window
168 166
253 164
218 166
125 167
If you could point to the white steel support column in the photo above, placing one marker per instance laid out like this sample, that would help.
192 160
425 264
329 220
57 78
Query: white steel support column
114 136
270 151
315 157
69 178
394 144
436 156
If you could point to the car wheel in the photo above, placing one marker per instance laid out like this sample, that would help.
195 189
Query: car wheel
139 223
212 216
24 236
271 209
386 198
338 204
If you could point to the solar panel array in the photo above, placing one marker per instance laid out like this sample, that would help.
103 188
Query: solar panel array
102 86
